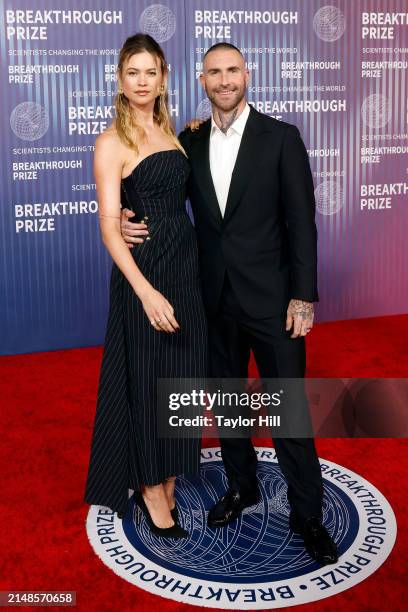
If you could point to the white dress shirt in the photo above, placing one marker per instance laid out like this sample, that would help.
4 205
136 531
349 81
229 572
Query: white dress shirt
223 155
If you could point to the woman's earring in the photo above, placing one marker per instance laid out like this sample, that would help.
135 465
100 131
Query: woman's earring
120 90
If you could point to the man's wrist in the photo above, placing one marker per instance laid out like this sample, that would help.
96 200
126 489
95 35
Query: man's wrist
296 299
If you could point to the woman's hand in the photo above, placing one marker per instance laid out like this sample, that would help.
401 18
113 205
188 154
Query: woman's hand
194 124
159 311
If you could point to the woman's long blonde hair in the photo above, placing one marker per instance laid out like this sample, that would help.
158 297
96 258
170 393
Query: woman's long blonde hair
126 122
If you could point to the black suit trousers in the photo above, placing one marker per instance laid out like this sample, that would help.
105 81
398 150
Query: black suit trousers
232 335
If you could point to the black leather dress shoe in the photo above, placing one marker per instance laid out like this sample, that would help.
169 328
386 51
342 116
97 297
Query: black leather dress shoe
318 542
230 506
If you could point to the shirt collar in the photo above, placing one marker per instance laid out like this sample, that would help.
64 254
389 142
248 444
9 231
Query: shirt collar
239 124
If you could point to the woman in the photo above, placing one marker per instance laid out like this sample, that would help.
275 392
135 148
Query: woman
156 325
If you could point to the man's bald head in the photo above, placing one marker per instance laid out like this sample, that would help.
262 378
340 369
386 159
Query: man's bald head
225 46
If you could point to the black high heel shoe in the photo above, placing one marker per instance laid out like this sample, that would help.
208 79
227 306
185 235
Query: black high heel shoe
175 513
175 531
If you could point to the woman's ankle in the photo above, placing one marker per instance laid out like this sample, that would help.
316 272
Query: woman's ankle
153 493
169 486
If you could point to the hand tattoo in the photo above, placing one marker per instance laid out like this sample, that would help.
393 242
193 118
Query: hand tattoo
302 309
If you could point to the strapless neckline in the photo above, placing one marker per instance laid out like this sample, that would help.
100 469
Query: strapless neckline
147 157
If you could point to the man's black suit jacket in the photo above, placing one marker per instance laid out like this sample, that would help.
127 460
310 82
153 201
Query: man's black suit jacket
267 240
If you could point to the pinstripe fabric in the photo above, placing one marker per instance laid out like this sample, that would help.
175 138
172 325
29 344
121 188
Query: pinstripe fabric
126 451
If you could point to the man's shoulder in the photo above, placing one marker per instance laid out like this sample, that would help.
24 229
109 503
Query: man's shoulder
270 124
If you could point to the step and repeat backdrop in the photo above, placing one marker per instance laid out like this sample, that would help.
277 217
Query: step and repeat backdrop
336 69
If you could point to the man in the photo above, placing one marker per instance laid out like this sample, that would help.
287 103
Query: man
252 196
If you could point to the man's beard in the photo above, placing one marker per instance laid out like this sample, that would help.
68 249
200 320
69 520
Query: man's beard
229 105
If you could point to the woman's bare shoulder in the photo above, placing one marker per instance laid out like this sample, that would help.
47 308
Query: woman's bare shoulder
109 145
108 137
109 155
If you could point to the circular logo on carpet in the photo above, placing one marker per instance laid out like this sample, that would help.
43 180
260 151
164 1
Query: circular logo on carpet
256 562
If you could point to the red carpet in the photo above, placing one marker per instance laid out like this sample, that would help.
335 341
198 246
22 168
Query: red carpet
48 410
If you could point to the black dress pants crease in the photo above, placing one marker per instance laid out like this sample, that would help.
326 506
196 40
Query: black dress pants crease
232 335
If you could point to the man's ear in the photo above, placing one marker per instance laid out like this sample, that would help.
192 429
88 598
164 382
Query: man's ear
202 80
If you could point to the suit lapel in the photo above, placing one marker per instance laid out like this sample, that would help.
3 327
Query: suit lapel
201 160
247 159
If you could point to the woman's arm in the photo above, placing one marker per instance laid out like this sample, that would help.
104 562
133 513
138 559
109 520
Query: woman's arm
108 172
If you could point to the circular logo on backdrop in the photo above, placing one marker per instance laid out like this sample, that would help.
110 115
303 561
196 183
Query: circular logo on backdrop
256 562
159 21
203 110
376 111
329 23
29 121
329 197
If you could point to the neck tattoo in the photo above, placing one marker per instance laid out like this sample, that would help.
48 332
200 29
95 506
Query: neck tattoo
225 120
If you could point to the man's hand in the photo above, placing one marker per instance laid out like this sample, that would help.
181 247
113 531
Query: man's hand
194 124
133 233
299 315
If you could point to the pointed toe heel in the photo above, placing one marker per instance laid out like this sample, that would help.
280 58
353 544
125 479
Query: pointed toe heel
175 514
175 531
